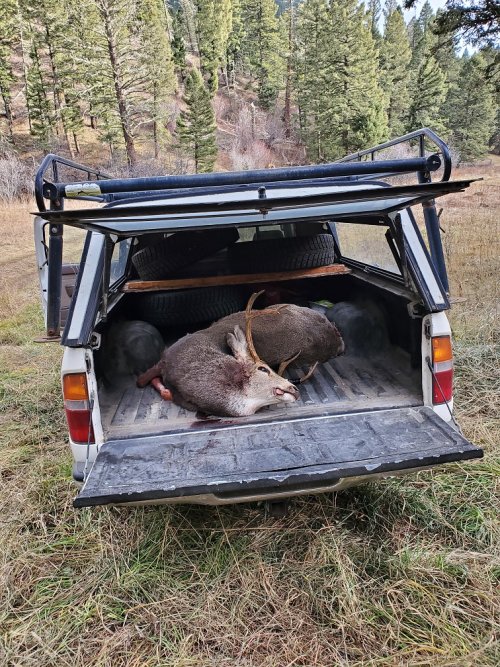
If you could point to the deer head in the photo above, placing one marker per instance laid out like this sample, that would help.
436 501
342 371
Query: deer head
261 385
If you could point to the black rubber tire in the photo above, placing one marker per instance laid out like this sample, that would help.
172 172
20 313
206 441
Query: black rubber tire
287 254
165 256
191 306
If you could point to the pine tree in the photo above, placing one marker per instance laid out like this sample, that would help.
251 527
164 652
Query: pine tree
374 11
189 15
263 48
156 63
342 107
445 52
52 59
414 37
234 42
429 93
492 74
41 109
196 125
312 66
82 61
135 73
8 37
426 16
178 44
357 115
213 27
429 86
422 39
395 56
113 39
472 109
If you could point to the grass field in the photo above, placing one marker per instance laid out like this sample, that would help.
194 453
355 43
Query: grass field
401 572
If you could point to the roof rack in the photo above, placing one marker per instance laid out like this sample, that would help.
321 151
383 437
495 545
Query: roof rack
423 136
99 186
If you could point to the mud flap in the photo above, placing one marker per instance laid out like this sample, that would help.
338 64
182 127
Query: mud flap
227 460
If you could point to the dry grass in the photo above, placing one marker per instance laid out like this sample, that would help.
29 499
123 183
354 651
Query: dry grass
402 572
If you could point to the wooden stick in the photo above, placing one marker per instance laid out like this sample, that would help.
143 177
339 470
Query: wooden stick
240 279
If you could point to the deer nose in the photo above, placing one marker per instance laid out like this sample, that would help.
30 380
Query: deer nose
294 391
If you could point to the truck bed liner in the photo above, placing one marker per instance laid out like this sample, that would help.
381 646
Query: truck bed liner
342 385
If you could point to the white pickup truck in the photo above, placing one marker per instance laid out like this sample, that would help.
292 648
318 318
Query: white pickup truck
178 252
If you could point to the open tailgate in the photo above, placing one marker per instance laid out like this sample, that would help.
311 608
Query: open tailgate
231 461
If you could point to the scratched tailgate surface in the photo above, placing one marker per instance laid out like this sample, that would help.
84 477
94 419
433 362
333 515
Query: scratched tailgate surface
224 459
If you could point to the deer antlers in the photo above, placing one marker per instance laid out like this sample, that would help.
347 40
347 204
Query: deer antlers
248 326
248 323
251 347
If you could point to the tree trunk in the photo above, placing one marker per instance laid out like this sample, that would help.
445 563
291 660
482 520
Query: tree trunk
56 90
8 111
155 120
25 66
288 86
120 98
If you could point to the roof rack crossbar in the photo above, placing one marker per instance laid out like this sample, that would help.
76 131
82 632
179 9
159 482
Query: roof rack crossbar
56 192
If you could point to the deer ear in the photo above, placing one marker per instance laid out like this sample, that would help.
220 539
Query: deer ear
238 344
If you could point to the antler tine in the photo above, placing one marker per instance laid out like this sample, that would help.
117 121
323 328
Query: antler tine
248 326
284 364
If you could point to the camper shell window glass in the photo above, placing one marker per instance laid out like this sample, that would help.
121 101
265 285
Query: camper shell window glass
366 244
119 261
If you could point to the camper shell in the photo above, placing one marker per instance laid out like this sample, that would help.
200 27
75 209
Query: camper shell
180 251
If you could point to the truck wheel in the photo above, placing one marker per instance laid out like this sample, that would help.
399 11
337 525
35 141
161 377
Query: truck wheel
287 254
193 306
166 255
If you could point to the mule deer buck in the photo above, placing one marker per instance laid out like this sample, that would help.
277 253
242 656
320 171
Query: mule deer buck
202 375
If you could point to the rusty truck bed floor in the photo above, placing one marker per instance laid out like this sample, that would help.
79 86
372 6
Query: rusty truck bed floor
345 384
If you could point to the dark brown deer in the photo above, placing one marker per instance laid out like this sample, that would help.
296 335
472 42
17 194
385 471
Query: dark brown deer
220 374
222 371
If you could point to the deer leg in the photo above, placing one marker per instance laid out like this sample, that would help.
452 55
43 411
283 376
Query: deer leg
284 364
165 393
149 375
309 373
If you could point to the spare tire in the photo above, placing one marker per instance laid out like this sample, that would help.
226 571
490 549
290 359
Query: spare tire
166 255
287 254
190 306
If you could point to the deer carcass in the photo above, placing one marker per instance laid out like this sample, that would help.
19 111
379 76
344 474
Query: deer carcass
222 371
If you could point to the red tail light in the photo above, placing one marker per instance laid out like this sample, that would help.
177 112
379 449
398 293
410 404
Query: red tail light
77 407
442 365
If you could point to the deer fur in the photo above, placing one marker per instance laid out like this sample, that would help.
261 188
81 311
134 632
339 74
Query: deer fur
222 371
285 331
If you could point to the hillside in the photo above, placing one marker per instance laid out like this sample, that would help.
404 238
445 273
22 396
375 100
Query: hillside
110 82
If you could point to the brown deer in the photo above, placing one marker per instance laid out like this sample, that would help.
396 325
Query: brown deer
220 370
220 375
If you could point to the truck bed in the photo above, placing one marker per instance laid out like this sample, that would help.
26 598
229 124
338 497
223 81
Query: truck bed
344 384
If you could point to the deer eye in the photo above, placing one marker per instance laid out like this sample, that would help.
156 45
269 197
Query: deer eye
264 369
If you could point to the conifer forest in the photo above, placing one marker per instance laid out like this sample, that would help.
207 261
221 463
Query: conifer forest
198 85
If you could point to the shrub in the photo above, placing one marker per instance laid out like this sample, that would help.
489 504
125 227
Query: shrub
16 179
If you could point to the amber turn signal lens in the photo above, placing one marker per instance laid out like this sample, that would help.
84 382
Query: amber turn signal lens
75 387
441 349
